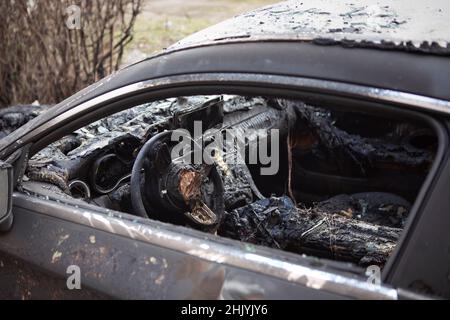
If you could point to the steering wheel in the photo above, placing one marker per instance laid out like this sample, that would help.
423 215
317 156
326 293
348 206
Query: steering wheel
175 190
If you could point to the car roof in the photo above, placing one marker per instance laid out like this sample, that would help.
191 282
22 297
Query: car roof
401 24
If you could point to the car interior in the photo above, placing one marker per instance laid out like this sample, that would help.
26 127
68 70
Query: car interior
325 179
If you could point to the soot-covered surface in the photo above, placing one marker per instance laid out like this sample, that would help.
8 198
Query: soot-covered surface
337 194
400 25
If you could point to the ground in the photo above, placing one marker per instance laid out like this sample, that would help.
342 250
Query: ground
164 22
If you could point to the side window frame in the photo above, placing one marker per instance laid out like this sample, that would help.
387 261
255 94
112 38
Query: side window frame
292 87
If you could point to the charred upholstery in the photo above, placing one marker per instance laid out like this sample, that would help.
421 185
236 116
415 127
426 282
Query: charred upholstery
337 193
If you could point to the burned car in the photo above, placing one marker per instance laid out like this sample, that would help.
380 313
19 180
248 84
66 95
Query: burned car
297 151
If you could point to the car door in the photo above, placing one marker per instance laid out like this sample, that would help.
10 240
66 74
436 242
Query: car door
55 248
121 256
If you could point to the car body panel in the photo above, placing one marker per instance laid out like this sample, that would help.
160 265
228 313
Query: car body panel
101 219
394 25
125 256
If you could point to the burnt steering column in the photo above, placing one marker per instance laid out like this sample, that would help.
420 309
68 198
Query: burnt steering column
176 190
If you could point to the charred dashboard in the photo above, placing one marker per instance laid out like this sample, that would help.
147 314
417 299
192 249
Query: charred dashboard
273 172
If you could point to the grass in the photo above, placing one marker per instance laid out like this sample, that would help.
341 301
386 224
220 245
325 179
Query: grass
164 22
156 34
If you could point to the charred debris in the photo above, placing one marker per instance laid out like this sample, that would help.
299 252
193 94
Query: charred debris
343 190
14 117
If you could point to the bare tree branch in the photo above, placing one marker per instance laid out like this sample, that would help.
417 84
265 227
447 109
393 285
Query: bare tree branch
42 59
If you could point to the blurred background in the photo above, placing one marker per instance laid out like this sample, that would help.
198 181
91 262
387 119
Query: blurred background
164 22
51 49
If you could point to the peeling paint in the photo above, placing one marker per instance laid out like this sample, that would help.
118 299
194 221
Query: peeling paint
160 279
56 256
62 239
